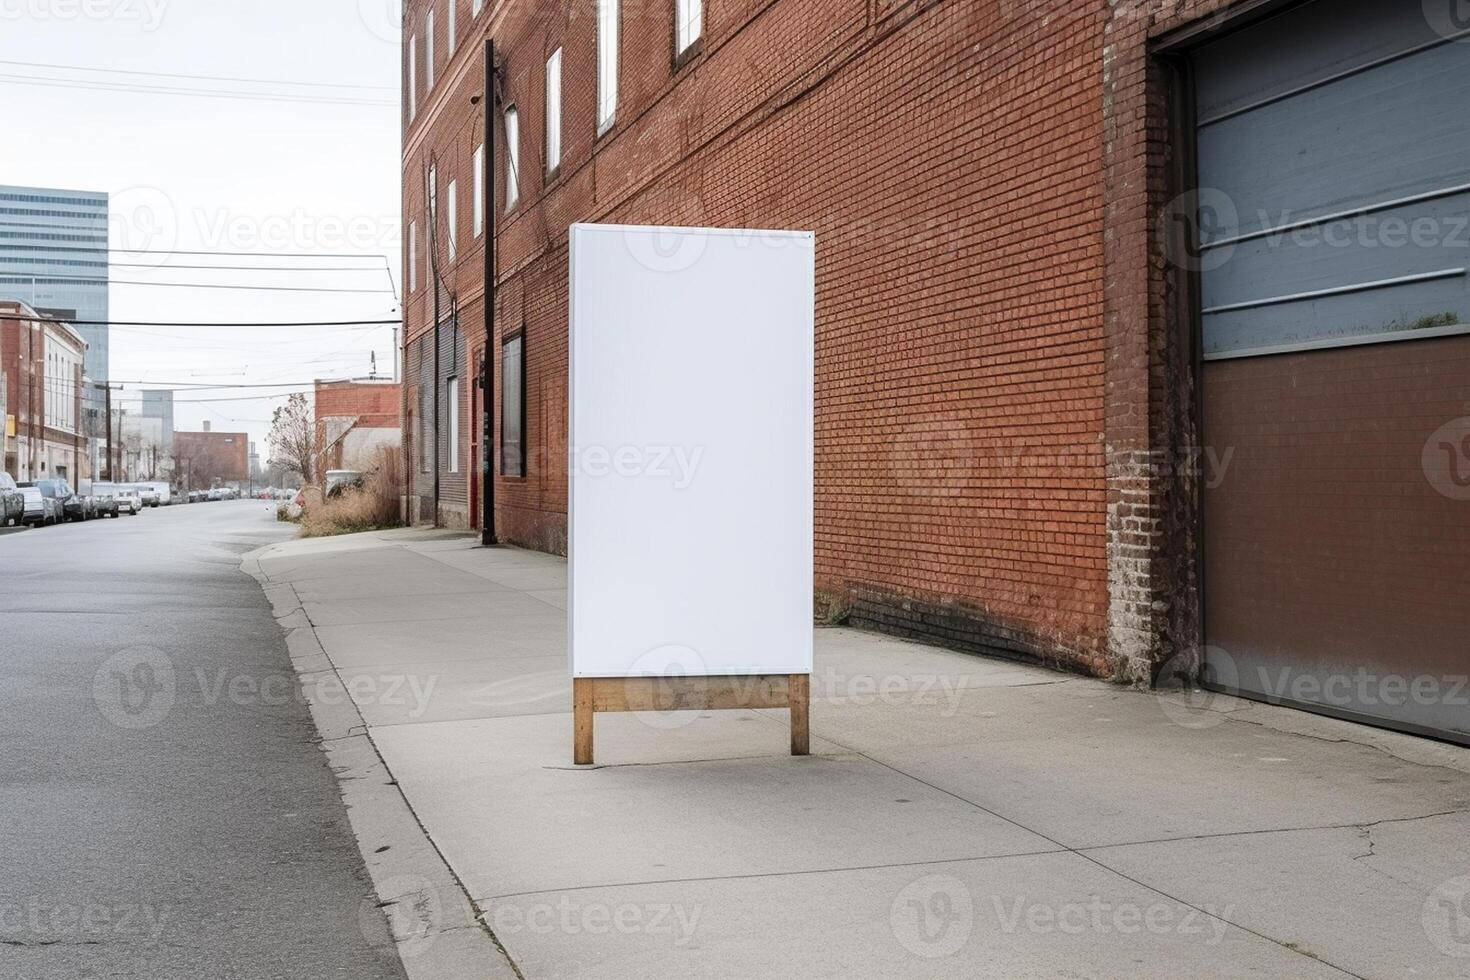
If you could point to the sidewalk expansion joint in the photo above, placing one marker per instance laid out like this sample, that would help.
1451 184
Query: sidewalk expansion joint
1090 859
771 874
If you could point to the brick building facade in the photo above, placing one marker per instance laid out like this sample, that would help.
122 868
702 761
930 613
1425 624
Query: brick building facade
204 459
1006 416
356 418
41 396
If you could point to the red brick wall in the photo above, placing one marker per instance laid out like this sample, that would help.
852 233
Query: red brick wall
374 405
226 454
949 158
23 363
997 370
371 405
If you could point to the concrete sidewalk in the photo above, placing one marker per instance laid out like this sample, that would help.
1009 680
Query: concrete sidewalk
958 816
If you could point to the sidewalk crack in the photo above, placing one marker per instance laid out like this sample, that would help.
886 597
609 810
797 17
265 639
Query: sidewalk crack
1331 740
1272 830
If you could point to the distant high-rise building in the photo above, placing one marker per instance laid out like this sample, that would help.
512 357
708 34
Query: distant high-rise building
53 258
159 404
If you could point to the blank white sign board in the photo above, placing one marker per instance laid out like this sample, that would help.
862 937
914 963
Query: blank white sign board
690 516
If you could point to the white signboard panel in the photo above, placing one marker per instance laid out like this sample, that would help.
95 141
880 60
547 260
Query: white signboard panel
690 538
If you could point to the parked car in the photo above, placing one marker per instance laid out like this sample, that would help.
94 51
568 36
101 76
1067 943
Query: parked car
40 509
72 506
12 502
339 481
214 493
102 504
130 500
163 495
195 496
120 498
147 494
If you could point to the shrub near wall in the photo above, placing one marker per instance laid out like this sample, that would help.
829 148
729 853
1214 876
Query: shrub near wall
370 508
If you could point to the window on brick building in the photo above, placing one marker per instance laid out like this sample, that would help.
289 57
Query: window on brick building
607 64
478 194
451 219
452 394
476 6
553 111
413 75
512 157
513 407
413 256
688 18
429 50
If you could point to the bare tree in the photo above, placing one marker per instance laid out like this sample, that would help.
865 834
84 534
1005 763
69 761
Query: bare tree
296 446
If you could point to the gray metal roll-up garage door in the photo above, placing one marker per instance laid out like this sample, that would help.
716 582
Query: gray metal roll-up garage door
1333 156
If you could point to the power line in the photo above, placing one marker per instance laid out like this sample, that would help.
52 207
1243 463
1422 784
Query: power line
87 86
201 78
161 323
161 266
16 279
208 385
67 388
217 413
180 251
242 398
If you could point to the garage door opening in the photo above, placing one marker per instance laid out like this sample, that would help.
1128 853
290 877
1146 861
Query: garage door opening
1333 164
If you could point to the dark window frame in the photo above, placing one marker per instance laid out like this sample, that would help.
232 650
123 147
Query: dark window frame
519 444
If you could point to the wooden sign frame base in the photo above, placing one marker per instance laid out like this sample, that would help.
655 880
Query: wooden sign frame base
591 695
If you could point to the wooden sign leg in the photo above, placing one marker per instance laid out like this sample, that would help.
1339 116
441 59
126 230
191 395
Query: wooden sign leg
800 693
582 721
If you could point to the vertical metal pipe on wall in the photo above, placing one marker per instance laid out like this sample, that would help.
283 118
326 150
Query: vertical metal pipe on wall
431 177
487 362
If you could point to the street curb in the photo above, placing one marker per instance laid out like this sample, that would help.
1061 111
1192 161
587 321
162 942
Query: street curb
430 917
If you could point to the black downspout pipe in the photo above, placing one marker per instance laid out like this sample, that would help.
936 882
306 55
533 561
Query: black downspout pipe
487 363
432 177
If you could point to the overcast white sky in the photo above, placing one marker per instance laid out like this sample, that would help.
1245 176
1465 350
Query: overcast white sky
213 173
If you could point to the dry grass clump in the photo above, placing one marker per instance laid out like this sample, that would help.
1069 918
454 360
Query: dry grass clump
371 507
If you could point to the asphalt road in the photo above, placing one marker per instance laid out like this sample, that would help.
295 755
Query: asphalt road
165 810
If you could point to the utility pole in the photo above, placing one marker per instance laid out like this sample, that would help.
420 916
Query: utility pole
31 399
434 267
107 425
114 445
